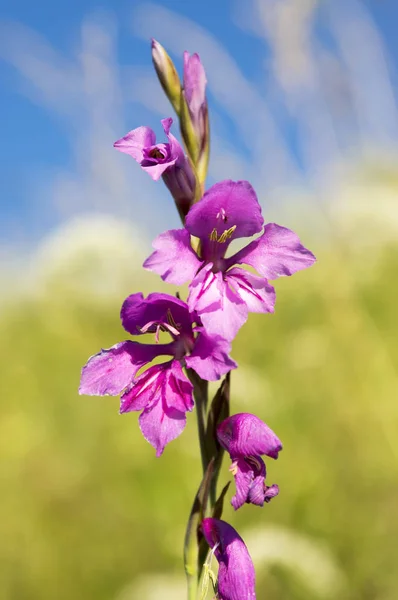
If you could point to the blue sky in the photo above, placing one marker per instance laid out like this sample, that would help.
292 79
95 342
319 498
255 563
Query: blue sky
272 120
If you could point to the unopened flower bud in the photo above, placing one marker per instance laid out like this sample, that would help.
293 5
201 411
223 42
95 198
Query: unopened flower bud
236 576
194 97
167 74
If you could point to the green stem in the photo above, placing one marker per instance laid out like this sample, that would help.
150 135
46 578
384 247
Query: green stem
200 392
192 587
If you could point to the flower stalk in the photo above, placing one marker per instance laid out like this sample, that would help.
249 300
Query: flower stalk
222 293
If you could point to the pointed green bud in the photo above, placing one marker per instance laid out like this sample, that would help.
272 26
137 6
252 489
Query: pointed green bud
167 74
204 154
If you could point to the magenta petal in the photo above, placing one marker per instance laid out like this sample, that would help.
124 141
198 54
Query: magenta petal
176 149
179 393
236 575
166 124
249 474
271 492
135 141
209 357
256 292
245 434
157 170
138 311
276 253
257 492
160 424
173 259
204 288
163 419
143 389
228 205
168 377
194 82
221 310
111 371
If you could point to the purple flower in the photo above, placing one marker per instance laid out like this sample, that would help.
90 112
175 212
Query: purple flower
236 576
194 85
220 292
162 160
162 392
245 437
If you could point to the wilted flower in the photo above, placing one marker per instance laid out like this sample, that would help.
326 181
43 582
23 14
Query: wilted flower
166 160
221 293
236 576
246 437
163 392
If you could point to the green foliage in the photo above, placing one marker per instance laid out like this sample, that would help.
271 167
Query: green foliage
87 509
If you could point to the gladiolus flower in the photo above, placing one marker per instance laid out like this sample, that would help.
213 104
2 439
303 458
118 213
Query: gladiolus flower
162 392
223 294
236 576
246 437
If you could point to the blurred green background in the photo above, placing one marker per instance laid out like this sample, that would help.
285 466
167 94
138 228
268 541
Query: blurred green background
87 510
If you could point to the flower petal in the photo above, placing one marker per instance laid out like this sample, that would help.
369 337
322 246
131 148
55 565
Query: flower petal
276 253
179 393
173 259
271 492
146 388
143 389
194 77
236 575
166 124
226 206
209 357
135 141
176 150
221 310
138 311
156 170
160 424
245 434
249 474
111 371
256 292
163 418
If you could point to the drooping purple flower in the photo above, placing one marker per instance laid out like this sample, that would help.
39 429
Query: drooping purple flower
166 160
236 575
223 294
162 392
246 437
194 86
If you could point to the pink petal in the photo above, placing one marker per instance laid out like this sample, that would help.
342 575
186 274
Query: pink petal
173 259
135 141
210 357
221 310
244 434
111 371
276 253
256 292
227 205
236 575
